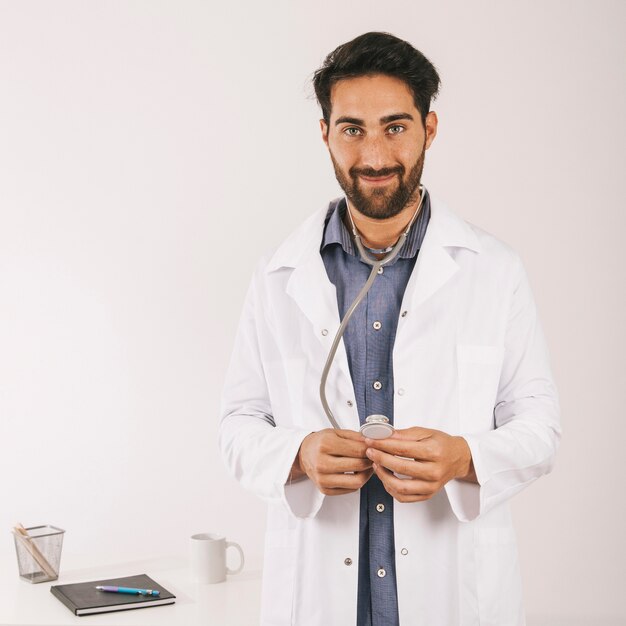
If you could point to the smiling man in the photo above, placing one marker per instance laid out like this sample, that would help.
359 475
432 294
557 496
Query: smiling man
380 174
415 528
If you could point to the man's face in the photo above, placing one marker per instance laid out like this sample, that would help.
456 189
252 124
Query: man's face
377 143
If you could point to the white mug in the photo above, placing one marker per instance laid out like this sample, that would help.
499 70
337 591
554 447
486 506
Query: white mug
208 558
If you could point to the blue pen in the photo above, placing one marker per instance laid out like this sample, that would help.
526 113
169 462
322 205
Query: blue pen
131 590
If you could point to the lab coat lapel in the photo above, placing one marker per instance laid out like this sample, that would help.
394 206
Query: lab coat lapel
310 287
433 269
435 266
315 296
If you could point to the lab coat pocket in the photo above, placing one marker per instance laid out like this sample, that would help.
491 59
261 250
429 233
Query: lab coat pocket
479 369
279 572
498 580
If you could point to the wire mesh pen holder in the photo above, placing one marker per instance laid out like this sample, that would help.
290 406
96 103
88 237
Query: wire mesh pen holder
38 552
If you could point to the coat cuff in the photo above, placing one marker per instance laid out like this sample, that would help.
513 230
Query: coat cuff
302 498
500 475
465 497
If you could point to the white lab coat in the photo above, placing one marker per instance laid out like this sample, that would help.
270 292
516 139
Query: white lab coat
469 359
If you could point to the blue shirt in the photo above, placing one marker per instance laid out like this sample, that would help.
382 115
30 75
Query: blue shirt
369 340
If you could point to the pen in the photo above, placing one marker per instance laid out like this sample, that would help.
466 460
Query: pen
132 590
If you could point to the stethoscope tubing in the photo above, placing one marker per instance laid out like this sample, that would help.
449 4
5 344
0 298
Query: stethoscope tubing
376 265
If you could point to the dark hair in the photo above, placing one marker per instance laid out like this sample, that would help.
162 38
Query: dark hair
378 53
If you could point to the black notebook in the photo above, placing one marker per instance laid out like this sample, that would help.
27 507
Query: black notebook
85 599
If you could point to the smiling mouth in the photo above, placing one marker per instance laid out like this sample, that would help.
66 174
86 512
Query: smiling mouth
377 179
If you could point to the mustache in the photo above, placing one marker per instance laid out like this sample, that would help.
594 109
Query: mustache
372 173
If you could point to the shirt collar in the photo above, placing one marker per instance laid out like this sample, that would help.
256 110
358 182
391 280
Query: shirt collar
337 233
446 229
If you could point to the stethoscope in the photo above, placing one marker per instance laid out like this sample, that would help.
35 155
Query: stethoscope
375 426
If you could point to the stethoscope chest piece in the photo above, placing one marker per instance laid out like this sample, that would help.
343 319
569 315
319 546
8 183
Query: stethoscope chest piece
376 427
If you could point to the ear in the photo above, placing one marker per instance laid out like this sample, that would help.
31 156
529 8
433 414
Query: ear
324 129
431 128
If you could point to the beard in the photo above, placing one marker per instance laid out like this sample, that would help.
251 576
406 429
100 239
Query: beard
381 202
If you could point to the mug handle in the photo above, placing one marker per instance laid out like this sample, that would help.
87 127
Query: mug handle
232 544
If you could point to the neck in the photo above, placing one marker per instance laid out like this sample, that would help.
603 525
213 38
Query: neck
377 233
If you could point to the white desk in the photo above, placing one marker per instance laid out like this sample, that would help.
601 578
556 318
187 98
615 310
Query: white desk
235 602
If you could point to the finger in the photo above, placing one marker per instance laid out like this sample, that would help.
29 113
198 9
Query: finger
345 481
339 445
405 499
335 492
400 491
339 464
401 488
353 435
420 450
415 433
425 471
393 463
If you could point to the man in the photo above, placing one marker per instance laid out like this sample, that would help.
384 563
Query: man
414 529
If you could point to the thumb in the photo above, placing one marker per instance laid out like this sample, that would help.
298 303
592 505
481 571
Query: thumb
415 433
353 435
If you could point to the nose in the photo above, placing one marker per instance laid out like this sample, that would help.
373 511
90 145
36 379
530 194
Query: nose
375 152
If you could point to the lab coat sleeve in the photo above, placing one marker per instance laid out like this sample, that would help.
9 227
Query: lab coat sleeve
523 444
257 452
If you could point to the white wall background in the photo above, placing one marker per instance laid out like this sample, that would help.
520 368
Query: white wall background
141 143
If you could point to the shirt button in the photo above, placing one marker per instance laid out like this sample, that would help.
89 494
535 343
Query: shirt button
404 551
404 313
380 508
350 403
381 573
324 332
348 561
401 391
380 270
377 325
377 385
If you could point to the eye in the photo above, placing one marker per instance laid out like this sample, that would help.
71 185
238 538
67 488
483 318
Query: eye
348 131
395 129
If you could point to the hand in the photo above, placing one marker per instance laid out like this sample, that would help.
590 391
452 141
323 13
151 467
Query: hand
434 458
334 460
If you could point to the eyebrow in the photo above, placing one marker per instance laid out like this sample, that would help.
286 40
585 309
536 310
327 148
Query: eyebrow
383 120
